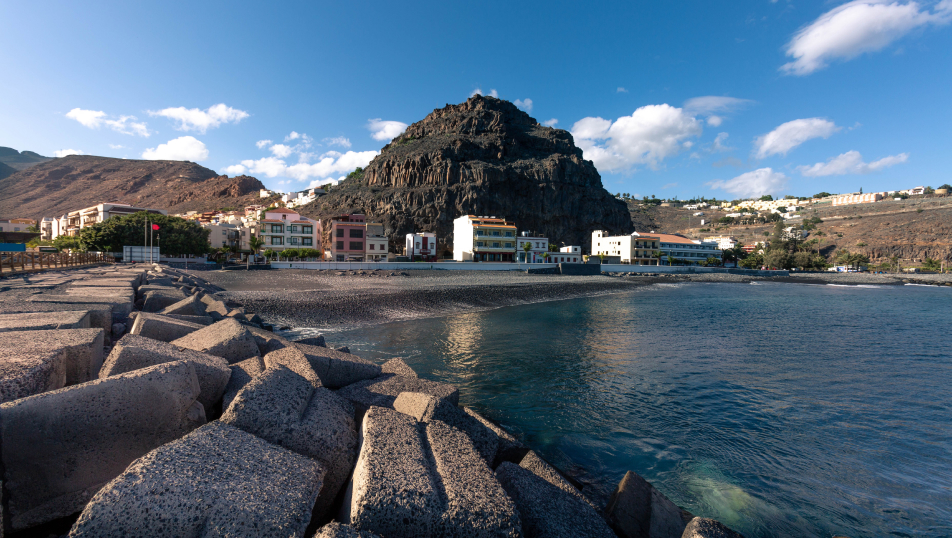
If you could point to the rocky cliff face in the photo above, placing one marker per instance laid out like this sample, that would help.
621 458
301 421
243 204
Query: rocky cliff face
482 157
55 187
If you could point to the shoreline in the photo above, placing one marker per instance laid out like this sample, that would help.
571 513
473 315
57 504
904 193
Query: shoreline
336 301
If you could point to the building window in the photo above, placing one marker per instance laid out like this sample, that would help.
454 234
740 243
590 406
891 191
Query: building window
357 233
294 229
340 245
508 234
508 245
277 228
293 241
479 243
307 230
495 245
277 240
356 245
496 234
372 246
223 232
339 233
307 241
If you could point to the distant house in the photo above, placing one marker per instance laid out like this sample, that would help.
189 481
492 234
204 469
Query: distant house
421 245
346 236
537 247
484 239
868 198
282 228
377 243
690 251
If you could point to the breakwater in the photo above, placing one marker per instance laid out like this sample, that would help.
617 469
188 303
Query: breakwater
167 411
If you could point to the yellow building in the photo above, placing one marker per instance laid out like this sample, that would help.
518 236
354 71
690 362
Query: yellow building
483 239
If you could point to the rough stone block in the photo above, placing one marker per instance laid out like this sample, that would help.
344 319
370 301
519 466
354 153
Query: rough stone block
700 527
267 341
162 328
310 341
201 320
110 282
283 408
216 481
227 339
476 504
134 352
60 447
638 510
189 306
155 300
337 369
398 366
539 467
120 307
383 391
293 360
338 530
70 319
546 510
36 361
241 374
426 408
214 306
508 448
393 491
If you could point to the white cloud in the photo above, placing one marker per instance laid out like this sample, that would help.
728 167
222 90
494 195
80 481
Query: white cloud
331 163
720 143
65 152
850 162
116 146
753 184
95 119
262 143
714 104
385 130
324 182
857 27
293 136
550 123
194 119
715 121
524 104
280 150
479 91
183 148
337 141
621 90
650 135
234 170
792 134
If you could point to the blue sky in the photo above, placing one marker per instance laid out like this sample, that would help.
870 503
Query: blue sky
692 98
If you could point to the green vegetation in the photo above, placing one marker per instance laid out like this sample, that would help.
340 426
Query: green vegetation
930 264
725 220
766 198
175 235
823 194
853 260
358 174
946 186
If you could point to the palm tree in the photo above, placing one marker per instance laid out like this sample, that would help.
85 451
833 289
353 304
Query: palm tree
527 246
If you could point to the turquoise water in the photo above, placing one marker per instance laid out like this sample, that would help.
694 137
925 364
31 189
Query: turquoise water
779 409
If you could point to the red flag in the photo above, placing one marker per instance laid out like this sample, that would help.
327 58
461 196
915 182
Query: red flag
155 226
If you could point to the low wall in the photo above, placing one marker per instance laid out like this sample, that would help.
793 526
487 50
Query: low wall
534 268
682 270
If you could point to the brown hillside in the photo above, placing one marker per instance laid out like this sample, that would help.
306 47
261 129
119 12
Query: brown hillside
56 187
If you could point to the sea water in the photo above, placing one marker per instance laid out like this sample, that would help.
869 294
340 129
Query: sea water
778 409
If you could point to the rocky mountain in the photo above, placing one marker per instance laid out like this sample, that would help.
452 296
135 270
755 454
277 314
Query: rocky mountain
482 157
20 160
6 170
57 186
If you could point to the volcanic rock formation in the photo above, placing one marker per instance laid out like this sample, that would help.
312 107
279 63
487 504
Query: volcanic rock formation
481 157
57 186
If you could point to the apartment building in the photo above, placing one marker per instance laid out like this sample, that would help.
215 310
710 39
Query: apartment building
282 228
724 242
483 239
421 245
635 249
16 225
72 222
377 242
345 237
687 250
537 247
229 235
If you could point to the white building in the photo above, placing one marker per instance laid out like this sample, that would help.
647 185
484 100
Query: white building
483 239
868 198
572 249
634 249
421 245
724 242
375 243
72 222
686 250
537 247
282 228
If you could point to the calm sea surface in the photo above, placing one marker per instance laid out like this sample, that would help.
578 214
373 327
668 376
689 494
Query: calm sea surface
779 409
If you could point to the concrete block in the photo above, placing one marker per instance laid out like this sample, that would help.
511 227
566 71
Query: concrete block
508 447
310 341
398 366
189 306
120 307
213 305
338 530
110 282
60 447
216 481
294 360
126 294
133 352
164 329
476 504
227 339
69 319
426 408
201 320
546 510
155 300
637 510
393 491
383 391
267 341
539 467
241 374
700 527
284 408
36 361
337 369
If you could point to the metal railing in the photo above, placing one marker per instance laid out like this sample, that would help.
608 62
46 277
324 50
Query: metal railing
19 262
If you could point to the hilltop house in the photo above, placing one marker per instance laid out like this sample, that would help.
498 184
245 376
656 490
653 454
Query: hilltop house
483 239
